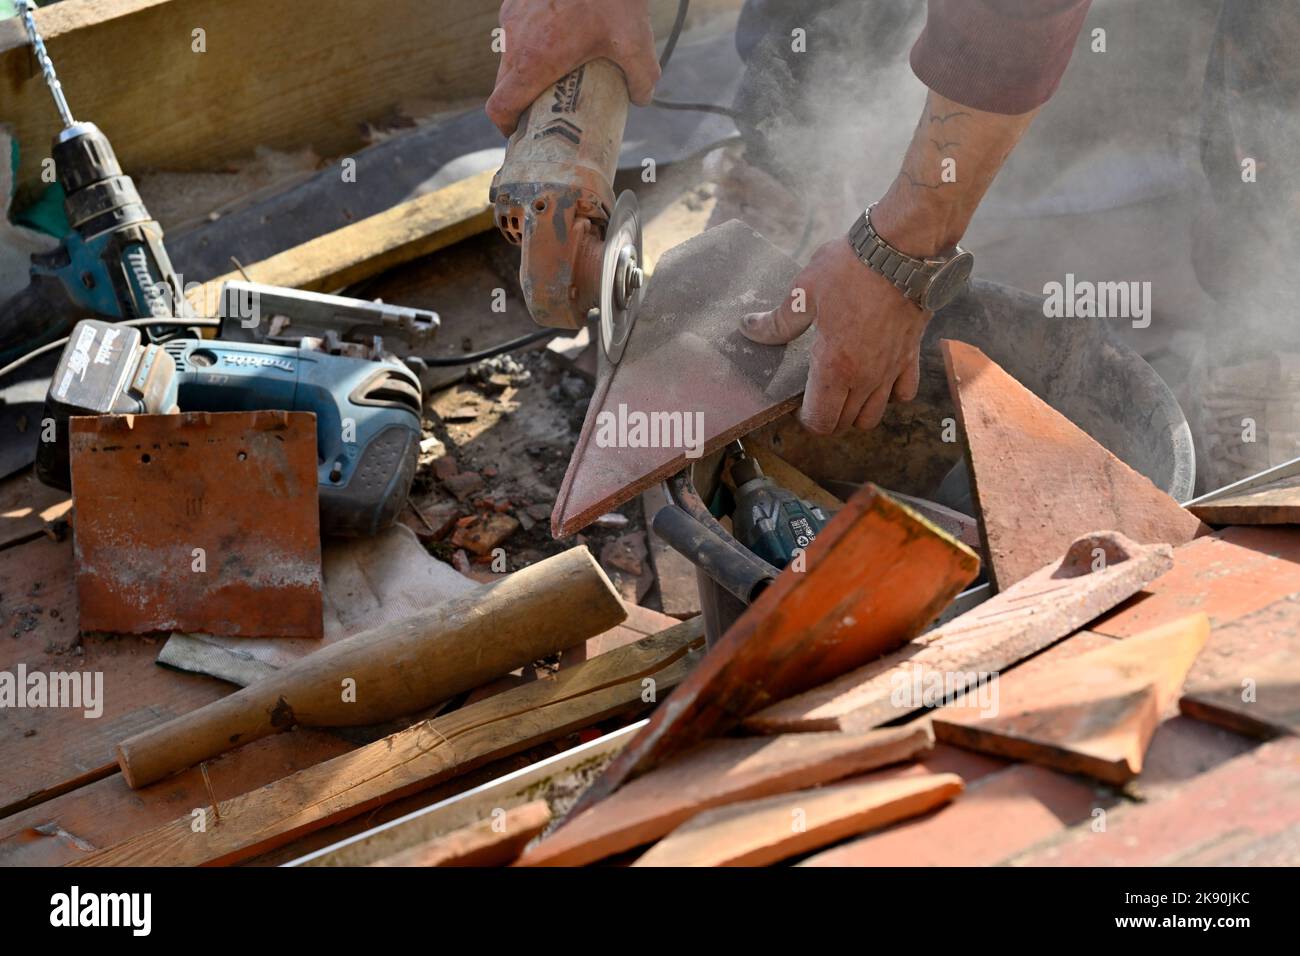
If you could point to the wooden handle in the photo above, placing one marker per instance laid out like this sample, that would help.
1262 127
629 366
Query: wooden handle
397 668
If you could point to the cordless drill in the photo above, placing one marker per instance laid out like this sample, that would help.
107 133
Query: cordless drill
769 520
112 263
367 412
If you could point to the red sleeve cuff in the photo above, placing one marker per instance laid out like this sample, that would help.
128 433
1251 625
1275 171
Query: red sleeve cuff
997 56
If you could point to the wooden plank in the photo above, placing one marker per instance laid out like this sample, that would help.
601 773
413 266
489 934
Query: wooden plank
1032 614
1248 677
716 773
312 74
312 77
1092 715
810 626
1277 502
420 756
48 751
407 231
493 842
766 831
1039 480
106 812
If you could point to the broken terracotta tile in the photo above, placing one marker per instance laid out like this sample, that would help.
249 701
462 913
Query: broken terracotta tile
766 831
1093 715
1228 575
1245 812
997 817
1039 480
809 626
495 841
715 773
485 533
198 521
686 366
1032 614
1277 502
1248 677
431 521
625 561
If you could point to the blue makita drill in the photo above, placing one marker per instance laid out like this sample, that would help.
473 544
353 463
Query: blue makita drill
367 412
112 262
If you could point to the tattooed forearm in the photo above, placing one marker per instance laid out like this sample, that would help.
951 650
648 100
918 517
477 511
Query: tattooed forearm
917 184
936 118
954 155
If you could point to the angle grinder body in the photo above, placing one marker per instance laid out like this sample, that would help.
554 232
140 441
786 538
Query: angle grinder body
580 247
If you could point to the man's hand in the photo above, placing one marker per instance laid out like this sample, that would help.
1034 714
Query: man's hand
868 340
867 345
547 39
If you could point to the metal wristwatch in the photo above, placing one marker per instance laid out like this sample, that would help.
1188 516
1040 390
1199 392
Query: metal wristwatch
930 283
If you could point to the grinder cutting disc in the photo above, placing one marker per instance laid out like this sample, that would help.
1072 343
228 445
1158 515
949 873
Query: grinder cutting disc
621 278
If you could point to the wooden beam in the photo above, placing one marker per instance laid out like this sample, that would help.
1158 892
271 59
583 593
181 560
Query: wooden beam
420 756
285 75
337 259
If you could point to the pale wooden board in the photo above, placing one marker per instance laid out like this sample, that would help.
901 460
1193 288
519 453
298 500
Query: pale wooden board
408 231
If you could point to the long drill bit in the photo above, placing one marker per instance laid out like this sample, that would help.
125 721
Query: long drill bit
27 8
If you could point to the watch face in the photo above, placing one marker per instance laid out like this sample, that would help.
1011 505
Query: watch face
949 281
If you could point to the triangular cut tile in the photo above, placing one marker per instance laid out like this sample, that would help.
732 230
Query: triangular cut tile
1093 715
1039 481
689 381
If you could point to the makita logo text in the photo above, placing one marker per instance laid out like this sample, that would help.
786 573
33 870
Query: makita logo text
565 93
155 293
258 361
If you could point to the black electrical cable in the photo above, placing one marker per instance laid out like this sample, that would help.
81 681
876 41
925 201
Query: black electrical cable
471 357
682 7
678 22
59 343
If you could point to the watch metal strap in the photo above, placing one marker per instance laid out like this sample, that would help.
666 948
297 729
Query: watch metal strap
910 275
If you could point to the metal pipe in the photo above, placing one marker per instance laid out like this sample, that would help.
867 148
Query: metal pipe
741 574
681 491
